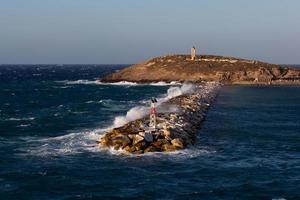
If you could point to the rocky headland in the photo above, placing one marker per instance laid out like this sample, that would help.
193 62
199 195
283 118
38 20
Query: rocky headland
227 70
176 128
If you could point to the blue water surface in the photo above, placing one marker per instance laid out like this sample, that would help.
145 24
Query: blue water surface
52 116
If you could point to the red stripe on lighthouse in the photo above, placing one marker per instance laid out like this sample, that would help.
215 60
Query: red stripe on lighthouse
153 111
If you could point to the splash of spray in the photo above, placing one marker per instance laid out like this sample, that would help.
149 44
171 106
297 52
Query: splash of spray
141 111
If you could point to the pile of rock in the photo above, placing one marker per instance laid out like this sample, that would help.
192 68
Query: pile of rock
174 130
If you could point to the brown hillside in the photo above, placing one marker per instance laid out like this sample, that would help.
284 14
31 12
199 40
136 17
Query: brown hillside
205 68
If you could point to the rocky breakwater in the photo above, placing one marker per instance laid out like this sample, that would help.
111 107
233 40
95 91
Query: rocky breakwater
176 128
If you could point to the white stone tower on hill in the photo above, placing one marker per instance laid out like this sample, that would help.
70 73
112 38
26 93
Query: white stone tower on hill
193 53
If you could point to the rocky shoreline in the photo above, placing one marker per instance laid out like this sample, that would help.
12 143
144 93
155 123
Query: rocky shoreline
176 129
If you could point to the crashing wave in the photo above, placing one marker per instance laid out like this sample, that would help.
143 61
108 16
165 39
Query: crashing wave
139 112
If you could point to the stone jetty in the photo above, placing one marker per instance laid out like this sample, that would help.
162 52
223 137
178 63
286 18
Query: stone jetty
176 129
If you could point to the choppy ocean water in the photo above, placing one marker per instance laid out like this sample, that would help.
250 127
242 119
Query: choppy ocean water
52 116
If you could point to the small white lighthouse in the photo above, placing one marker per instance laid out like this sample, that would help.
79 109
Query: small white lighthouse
193 53
152 123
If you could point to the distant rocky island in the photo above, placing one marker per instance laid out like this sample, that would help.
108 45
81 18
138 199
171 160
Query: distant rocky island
227 70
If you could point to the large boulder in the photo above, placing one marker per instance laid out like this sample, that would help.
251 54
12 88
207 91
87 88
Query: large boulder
147 136
178 143
141 146
137 139
130 149
166 132
151 149
159 143
168 148
121 140
105 141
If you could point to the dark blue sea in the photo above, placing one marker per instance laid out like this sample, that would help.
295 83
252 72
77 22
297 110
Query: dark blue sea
52 116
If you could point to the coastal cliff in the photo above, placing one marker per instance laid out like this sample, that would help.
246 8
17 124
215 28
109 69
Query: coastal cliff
227 70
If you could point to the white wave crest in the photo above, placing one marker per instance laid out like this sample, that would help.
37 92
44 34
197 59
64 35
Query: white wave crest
69 144
20 119
162 83
95 82
23 125
120 83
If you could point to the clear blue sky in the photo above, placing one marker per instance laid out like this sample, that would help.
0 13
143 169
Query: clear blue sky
129 31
